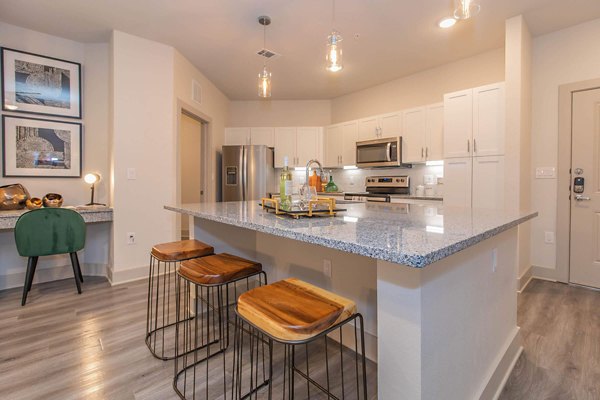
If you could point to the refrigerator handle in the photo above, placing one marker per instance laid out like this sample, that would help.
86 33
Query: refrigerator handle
244 172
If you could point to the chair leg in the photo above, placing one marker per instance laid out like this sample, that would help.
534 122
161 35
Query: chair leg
78 267
28 277
76 271
34 266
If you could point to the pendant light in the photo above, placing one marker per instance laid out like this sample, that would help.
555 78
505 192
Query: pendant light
465 9
334 49
264 77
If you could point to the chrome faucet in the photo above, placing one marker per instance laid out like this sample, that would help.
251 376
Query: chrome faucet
308 165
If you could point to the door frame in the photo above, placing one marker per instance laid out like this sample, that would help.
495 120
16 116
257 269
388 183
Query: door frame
563 210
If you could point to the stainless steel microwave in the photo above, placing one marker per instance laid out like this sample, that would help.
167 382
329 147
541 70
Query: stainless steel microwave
386 152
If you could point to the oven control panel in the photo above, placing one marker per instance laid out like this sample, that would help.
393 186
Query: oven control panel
387 181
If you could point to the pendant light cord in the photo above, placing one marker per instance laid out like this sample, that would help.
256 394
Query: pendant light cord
264 42
333 14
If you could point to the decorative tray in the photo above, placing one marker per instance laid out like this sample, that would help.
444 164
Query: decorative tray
322 206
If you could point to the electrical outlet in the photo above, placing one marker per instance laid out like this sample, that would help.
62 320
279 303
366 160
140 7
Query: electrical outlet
131 174
327 268
130 237
494 260
548 237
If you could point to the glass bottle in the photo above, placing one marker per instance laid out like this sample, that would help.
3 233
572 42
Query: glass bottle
285 185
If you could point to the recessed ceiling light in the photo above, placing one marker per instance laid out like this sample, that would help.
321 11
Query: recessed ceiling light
447 22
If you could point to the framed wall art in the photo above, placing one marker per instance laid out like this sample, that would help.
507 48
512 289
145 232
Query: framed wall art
34 147
37 84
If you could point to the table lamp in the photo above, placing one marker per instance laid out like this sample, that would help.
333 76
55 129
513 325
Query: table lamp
92 178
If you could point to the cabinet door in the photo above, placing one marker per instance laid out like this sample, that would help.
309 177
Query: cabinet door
457 182
307 144
333 146
488 120
458 124
391 124
262 136
237 136
368 128
488 182
285 146
350 137
434 143
413 136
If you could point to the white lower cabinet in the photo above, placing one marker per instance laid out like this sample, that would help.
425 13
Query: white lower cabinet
476 182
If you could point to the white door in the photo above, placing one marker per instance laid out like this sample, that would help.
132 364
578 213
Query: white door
350 137
585 209
262 136
434 144
488 182
307 144
457 182
488 120
458 123
390 124
413 136
285 146
237 136
333 146
368 128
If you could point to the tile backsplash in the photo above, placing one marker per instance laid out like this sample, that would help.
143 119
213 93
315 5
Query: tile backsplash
353 180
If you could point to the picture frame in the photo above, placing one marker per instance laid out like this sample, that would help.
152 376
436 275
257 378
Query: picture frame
34 147
37 84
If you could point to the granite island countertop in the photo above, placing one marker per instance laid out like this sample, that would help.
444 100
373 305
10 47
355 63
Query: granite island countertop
415 235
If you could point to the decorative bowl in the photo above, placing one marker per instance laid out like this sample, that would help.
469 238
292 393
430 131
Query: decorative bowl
13 197
54 200
34 203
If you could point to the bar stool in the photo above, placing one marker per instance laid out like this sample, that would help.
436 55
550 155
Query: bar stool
206 289
297 314
164 259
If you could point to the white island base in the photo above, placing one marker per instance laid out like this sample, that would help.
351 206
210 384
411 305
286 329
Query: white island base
447 331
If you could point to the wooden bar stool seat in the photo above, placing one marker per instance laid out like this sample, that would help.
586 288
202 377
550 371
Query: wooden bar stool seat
292 310
218 269
160 318
181 250
295 315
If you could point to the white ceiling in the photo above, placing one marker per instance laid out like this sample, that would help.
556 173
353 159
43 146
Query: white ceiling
221 37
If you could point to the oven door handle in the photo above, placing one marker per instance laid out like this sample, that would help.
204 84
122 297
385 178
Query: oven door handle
389 151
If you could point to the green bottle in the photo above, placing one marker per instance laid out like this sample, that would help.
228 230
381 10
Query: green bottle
285 185
331 186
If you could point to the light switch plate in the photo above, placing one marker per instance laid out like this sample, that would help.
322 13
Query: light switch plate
131 174
429 179
545 173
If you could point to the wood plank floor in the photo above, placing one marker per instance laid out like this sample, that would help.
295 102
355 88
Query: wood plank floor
90 346
560 325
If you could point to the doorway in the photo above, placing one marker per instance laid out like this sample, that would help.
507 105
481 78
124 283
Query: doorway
192 165
585 189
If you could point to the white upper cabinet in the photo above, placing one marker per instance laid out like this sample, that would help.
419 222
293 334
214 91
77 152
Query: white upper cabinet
235 136
488 120
334 139
262 136
458 124
474 122
308 144
434 146
285 146
414 135
380 126
349 139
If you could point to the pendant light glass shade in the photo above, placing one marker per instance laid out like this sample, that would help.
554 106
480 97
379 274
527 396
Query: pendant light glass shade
465 9
334 52
264 83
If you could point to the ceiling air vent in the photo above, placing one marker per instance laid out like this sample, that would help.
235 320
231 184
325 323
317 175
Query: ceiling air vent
266 53
196 92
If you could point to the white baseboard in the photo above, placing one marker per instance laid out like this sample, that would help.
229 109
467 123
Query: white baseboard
50 273
524 279
547 274
119 277
505 365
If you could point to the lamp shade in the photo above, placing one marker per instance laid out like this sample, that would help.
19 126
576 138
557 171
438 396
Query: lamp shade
91 178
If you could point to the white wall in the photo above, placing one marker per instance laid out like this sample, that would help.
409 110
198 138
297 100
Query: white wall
94 59
190 135
422 88
561 57
279 113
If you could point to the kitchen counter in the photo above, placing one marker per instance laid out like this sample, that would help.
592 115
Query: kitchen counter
437 287
415 197
90 214
399 233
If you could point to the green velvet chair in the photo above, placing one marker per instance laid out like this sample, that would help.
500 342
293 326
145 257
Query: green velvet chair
49 231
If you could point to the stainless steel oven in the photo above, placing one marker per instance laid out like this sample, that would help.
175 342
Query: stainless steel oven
386 152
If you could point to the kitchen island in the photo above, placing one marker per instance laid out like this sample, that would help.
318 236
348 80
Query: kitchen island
437 286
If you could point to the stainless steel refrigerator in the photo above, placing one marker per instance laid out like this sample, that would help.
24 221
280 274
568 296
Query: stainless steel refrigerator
247 172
